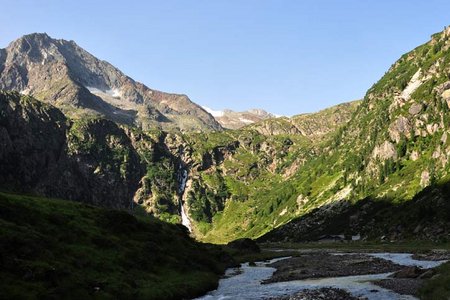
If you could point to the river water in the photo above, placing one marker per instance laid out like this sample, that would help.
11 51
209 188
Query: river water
245 282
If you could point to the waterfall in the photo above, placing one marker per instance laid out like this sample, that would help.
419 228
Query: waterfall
182 178
184 219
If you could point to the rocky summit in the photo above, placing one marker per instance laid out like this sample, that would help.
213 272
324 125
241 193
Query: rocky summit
65 75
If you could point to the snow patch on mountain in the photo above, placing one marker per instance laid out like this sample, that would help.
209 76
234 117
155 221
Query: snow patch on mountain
247 121
214 113
236 119
110 92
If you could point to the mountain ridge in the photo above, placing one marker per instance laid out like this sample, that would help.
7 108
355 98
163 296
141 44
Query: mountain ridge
231 119
61 72
315 124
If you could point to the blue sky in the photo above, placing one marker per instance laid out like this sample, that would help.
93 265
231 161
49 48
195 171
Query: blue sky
287 57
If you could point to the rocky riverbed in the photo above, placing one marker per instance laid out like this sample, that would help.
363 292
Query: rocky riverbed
320 294
409 279
324 264
433 255
403 286
328 274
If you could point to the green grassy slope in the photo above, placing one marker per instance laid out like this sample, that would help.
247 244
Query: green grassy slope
57 249
423 218
395 145
242 174
247 184
396 142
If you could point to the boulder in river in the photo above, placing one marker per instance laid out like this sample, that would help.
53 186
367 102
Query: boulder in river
409 272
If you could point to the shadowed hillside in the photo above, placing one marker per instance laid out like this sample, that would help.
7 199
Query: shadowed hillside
56 249
425 217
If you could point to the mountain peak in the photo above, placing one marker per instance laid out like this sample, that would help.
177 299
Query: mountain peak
260 112
64 74
32 40
36 36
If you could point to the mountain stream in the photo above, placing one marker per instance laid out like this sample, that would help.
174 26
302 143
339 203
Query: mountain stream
245 282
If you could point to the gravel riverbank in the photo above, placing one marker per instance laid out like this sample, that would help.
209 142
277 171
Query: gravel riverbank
324 264
319 294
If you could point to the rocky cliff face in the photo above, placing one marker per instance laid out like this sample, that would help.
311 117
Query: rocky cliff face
32 138
63 74
89 160
43 152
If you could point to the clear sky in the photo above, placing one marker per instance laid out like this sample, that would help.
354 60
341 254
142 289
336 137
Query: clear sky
284 56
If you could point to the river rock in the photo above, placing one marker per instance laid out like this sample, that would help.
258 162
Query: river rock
427 274
410 272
